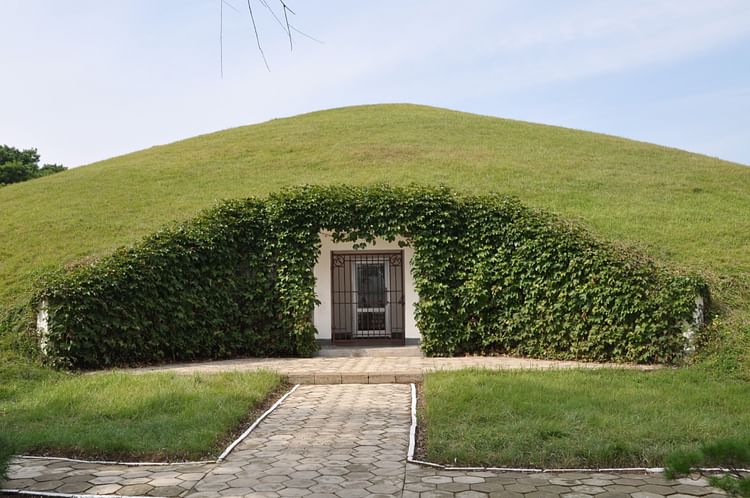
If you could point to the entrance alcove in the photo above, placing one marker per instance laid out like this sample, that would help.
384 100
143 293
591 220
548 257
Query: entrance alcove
366 296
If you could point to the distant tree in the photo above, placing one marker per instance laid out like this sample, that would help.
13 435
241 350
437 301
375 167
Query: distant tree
20 165
49 169
11 154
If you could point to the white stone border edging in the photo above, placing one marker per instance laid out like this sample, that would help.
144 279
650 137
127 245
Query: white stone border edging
412 447
413 428
220 458
108 462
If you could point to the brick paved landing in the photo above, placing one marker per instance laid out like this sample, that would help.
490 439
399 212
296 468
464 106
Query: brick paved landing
373 369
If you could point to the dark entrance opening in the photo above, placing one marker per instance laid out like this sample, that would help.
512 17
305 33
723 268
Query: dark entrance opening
368 298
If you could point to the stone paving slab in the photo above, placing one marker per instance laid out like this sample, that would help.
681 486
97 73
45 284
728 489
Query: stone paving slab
346 440
60 476
421 481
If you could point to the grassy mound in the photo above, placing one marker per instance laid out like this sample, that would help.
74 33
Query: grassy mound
680 207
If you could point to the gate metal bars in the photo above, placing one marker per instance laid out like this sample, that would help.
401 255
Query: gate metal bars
368 298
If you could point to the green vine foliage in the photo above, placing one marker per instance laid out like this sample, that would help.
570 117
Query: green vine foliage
203 289
493 276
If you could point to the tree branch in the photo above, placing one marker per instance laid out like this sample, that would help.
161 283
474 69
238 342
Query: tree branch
221 38
257 37
286 18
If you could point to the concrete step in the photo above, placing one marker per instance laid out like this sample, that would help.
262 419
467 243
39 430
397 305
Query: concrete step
356 378
328 351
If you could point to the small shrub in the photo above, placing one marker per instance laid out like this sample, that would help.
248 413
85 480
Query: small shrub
729 454
6 453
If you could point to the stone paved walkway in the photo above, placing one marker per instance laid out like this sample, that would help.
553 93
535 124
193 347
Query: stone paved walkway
429 482
48 475
332 441
344 440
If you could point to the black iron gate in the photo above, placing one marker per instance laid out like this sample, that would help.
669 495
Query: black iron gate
368 298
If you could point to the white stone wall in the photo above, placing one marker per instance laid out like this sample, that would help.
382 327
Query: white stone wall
42 326
323 313
699 320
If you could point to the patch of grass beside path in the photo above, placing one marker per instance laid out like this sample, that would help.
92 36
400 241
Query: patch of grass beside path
577 418
160 416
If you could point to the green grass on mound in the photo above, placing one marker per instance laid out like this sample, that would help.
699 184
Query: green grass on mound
684 208
578 418
158 416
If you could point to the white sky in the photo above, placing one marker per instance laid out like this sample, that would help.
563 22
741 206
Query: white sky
84 80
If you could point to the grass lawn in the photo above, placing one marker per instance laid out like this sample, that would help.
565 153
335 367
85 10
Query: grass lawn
157 416
578 418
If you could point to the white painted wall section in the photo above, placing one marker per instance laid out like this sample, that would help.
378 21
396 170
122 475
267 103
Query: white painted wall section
42 326
322 317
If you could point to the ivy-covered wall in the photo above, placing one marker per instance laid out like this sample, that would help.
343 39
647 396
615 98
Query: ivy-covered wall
203 289
493 276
